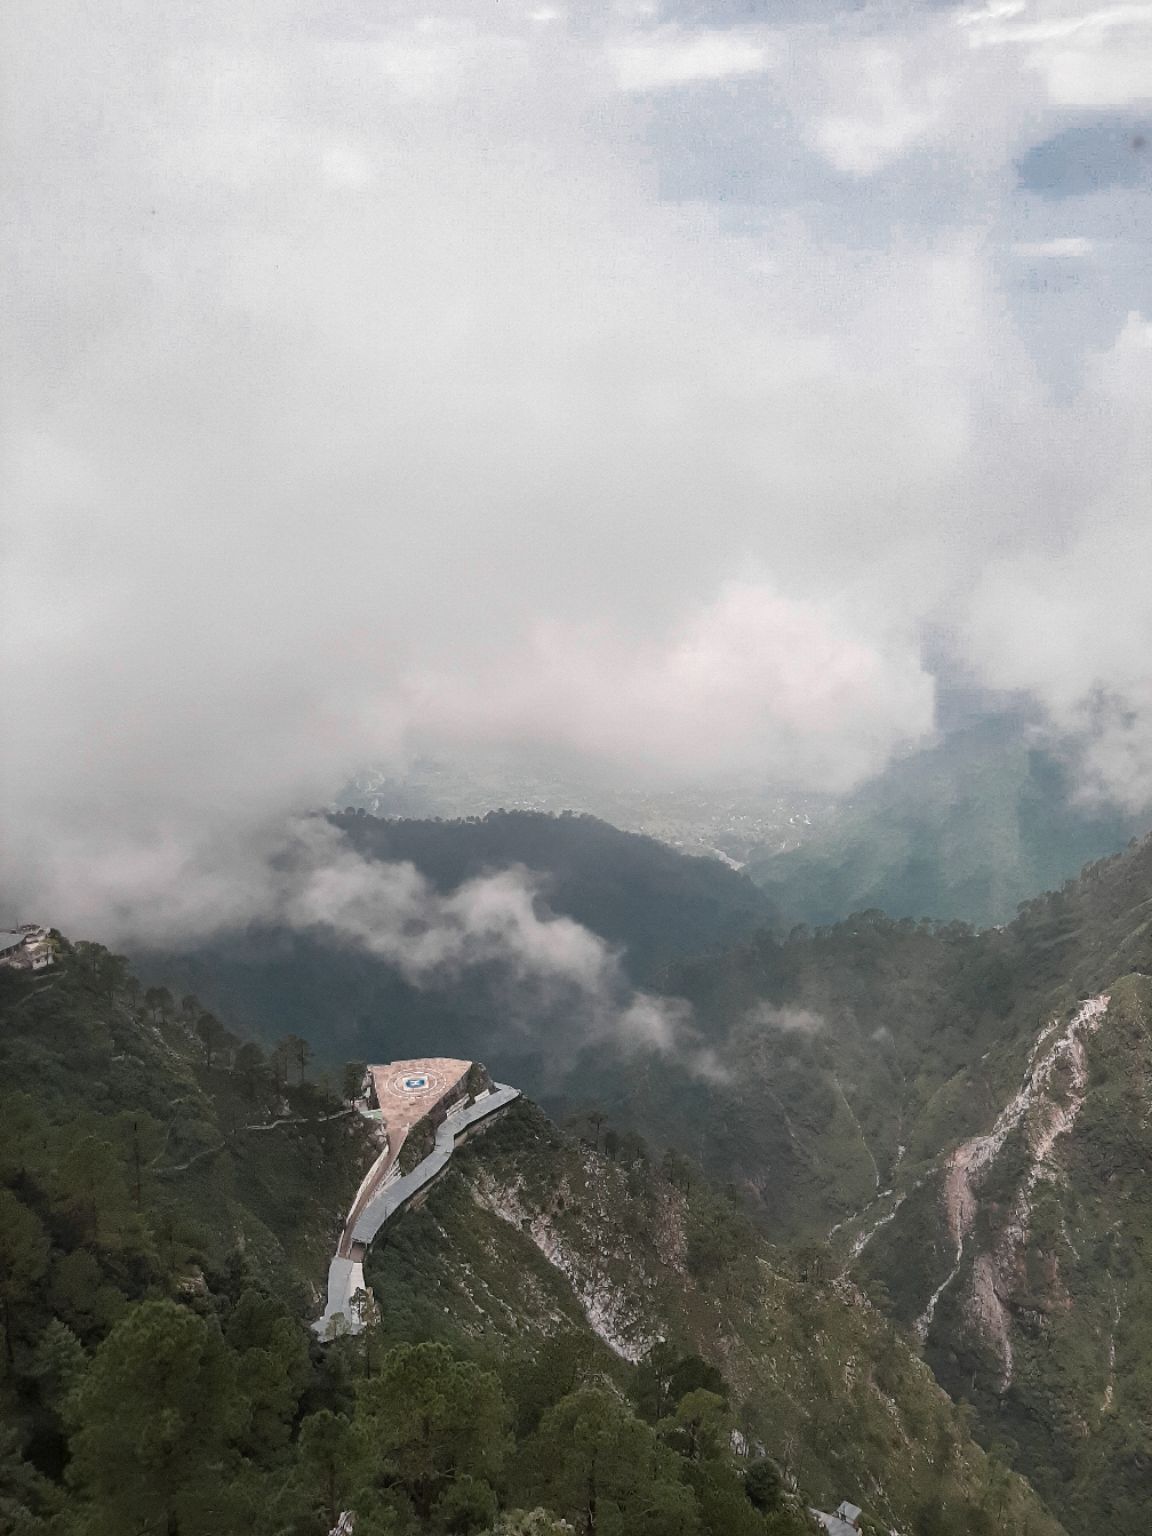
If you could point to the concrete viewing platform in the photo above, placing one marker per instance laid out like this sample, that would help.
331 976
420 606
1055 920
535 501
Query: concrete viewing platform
453 1097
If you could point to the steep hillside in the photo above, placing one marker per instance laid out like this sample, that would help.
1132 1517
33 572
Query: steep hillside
188 1124
977 1109
931 1102
534 1239
167 1201
868 1048
830 1046
561 1331
1024 1260
968 829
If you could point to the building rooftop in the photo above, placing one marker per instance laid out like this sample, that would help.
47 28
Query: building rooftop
833 1525
407 1090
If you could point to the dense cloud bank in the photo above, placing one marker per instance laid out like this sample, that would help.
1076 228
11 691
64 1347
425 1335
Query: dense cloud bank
380 381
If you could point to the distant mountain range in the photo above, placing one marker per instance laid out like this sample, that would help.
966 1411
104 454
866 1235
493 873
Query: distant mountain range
968 828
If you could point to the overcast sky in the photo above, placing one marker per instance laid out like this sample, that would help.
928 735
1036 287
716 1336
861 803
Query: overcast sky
650 382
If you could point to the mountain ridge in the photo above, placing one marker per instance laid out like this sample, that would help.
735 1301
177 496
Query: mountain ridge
193 1230
852 1061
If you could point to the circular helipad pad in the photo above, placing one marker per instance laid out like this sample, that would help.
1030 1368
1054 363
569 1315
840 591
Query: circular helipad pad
419 1083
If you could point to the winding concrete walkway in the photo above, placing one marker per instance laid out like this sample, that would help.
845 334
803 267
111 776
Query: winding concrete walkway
346 1271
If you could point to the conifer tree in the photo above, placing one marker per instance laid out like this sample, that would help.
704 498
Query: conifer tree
151 1421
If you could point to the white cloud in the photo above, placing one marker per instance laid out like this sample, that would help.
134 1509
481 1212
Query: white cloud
367 393
752 679
345 165
427 58
788 1021
1061 248
548 963
1087 57
1070 623
1118 74
670 56
886 104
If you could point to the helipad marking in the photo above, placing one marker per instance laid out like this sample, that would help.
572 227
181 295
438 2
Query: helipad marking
414 1083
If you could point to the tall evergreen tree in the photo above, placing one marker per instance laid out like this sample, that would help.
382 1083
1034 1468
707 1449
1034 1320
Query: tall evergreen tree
151 1422
430 1418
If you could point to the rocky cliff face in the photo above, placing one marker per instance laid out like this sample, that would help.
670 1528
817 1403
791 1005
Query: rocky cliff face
1030 1245
1043 1109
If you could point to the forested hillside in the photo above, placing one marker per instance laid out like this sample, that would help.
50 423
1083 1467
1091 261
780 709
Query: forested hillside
965 829
966 1118
852 1066
534 1232
831 1044
632 890
167 1199
566 1333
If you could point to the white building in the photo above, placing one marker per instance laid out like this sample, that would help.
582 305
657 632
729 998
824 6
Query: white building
26 948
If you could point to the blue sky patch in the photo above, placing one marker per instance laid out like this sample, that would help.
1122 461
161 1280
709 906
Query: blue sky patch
1105 150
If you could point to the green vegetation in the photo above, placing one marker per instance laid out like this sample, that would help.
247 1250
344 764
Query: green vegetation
556 1264
167 1200
632 890
837 1046
1077 1293
151 1160
925 1032
850 1060
168 1196
966 829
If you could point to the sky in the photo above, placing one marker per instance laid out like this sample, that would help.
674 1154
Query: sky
667 385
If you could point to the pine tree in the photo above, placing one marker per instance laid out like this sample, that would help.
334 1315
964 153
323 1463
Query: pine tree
152 1419
23 1261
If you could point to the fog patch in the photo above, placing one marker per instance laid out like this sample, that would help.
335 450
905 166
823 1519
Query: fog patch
788 1021
549 964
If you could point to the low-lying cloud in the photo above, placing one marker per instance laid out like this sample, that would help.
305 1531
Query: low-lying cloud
548 964
787 1021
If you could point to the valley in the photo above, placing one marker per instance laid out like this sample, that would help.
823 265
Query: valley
543 1280
902 1209
926 1099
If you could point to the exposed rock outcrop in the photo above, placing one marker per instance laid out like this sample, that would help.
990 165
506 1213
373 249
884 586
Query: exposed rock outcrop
1045 1108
